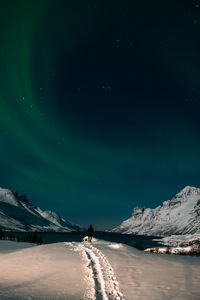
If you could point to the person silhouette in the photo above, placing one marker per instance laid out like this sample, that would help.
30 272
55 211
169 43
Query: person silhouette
90 233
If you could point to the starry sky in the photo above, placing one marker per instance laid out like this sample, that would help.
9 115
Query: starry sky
99 104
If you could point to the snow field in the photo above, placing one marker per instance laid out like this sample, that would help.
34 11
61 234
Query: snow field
144 276
77 271
90 294
46 272
110 279
98 276
105 282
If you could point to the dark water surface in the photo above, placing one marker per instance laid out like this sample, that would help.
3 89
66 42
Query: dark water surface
128 239
138 241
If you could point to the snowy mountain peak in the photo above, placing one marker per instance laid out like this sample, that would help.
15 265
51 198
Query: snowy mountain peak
17 213
188 190
180 215
138 210
8 196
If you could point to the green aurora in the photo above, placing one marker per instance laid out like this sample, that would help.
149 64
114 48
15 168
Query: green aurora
88 172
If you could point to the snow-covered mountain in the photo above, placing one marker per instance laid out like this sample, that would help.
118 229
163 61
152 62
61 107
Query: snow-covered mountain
17 213
180 215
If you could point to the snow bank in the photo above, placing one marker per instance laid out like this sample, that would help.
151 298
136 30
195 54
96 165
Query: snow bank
189 250
178 244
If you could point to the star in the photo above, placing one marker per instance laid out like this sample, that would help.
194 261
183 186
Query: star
106 89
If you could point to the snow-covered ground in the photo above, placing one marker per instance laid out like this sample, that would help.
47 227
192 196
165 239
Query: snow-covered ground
188 244
101 270
189 250
179 240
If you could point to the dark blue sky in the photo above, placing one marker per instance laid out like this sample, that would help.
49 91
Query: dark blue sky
99 104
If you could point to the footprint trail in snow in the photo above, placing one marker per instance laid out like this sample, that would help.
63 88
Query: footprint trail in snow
105 283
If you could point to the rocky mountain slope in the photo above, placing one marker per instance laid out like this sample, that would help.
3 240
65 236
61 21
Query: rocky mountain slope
17 213
180 215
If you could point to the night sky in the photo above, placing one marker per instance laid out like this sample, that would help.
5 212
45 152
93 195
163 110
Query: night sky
99 104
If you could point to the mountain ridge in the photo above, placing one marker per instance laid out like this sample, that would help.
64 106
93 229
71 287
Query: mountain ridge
180 215
17 213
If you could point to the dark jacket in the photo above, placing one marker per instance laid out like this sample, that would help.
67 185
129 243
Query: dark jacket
90 231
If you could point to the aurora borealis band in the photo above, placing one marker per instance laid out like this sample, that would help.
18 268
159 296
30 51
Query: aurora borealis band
99 104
